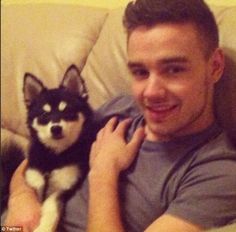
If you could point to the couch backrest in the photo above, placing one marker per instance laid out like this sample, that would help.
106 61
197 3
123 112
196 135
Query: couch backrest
45 39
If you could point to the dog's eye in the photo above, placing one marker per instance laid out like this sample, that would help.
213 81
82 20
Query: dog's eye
43 119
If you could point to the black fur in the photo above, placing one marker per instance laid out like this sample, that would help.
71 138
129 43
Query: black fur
42 157
11 156
45 158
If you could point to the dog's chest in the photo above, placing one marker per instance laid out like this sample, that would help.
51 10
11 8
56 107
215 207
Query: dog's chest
58 180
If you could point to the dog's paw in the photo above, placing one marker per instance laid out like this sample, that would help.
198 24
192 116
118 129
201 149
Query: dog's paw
36 180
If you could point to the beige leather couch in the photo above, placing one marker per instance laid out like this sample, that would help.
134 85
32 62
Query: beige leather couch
46 38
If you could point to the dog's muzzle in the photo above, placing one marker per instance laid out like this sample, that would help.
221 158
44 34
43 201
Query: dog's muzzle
56 132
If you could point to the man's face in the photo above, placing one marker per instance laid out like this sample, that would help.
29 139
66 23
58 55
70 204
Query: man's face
172 79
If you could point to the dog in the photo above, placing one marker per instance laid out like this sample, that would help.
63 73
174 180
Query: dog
60 126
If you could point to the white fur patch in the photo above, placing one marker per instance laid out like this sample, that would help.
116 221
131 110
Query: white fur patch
47 108
50 214
62 105
35 179
70 132
64 178
60 180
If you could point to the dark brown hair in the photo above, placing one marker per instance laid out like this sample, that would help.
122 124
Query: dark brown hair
152 12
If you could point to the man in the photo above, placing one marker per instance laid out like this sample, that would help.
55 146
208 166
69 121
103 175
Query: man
170 168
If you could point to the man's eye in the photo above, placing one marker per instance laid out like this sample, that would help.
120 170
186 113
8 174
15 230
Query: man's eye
139 73
174 70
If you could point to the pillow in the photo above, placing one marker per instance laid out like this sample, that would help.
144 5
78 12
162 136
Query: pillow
43 39
105 72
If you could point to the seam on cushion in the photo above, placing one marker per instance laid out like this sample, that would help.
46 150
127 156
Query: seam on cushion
219 17
95 41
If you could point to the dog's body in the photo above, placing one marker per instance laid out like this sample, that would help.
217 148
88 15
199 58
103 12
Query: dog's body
59 123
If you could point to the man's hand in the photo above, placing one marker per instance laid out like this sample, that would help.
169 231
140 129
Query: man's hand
110 154
23 205
110 151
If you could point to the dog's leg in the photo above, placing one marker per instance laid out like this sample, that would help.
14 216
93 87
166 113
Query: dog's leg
36 180
50 214
60 180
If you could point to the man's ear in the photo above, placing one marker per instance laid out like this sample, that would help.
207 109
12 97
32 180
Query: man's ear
32 88
73 82
217 65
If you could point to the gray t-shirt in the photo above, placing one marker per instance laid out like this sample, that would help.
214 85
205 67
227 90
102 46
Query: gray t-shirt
192 177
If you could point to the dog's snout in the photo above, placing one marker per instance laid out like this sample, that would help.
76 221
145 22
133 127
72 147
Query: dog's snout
56 130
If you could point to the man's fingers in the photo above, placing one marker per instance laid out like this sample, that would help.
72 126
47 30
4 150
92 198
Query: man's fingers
110 125
122 127
113 126
108 128
92 154
137 139
100 134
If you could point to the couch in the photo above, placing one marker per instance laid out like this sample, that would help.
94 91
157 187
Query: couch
45 39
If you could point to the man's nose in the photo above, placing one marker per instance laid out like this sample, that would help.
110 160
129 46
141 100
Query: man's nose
155 87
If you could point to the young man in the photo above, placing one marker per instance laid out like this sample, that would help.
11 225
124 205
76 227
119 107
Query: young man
170 168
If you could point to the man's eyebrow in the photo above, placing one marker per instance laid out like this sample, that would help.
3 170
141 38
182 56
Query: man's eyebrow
131 64
162 61
177 59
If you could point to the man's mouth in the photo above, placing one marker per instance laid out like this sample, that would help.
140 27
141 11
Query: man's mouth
159 112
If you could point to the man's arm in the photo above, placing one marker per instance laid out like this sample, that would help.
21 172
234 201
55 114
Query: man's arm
104 209
171 223
109 156
23 205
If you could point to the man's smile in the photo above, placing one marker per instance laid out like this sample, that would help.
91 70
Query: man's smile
160 112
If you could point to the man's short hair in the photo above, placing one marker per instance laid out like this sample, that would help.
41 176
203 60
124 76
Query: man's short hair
152 12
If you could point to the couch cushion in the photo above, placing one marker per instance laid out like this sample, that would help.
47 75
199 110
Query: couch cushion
43 39
105 72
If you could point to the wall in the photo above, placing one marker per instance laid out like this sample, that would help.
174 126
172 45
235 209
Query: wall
104 3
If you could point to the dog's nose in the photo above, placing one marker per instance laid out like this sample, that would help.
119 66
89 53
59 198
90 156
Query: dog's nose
56 131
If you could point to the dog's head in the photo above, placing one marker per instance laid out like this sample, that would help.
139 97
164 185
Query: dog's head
56 116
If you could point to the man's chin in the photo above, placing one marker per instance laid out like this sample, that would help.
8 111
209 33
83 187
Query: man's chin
158 132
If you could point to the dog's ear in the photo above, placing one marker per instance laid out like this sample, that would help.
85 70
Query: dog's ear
73 82
32 88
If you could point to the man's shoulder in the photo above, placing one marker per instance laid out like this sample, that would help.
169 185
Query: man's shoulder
122 106
207 184
218 155
218 147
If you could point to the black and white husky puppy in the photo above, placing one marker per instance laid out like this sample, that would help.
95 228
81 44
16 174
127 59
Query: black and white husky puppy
59 124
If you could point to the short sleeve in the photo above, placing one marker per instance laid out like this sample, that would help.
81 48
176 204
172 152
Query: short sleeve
207 193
